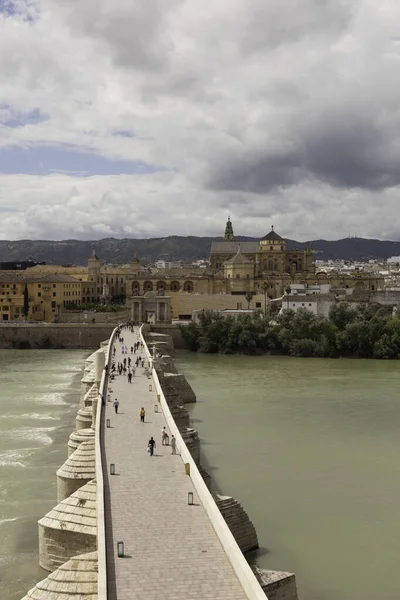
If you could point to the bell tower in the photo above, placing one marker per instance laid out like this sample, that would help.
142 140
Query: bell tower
229 237
93 268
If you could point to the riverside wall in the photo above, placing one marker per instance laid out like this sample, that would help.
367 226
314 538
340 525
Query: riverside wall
54 335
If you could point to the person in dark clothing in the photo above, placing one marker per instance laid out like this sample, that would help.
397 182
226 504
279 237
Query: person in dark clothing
151 445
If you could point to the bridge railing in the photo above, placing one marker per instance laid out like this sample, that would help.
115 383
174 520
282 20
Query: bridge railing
101 525
243 571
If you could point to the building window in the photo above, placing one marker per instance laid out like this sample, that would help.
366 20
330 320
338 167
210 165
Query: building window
258 304
174 287
39 294
54 294
53 305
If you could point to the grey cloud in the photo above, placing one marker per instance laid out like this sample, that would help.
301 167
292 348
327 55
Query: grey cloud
274 112
267 25
134 32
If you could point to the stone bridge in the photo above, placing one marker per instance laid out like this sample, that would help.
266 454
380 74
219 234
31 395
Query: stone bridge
131 526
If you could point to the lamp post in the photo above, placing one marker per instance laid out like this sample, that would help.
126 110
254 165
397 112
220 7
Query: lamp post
120 549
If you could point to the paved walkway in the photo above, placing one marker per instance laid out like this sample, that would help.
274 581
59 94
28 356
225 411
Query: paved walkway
172 551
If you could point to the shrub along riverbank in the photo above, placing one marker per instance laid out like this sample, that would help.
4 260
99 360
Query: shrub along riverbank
366 332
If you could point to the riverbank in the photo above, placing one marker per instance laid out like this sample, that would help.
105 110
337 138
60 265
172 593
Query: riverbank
363 332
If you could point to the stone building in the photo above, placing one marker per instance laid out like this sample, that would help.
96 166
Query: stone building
151 308
240 275
47 294
51 288
240 271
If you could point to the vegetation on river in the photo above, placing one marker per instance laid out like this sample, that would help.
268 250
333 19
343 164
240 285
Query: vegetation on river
364 332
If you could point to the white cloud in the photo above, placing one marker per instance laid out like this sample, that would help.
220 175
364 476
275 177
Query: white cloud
283 112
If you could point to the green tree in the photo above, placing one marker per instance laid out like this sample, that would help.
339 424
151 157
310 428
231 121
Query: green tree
341 314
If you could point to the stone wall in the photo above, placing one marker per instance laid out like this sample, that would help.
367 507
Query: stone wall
277 585
53 335
238 522
171 330
113 318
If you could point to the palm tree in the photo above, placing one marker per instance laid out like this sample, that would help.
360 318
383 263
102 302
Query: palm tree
249 298
264 288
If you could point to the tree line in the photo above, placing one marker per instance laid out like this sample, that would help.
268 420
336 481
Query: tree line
364 332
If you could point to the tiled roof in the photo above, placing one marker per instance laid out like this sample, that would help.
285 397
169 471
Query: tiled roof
238 258
273 236
232 247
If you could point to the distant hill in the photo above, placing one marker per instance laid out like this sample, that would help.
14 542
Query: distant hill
176 247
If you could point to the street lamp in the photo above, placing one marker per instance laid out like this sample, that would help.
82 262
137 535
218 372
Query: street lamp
120 549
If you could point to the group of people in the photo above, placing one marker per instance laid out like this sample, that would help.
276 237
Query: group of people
164 440
126 366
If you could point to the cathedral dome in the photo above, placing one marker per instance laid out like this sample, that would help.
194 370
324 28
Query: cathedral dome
273 236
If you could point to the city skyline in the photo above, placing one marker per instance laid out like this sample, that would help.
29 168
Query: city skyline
124 119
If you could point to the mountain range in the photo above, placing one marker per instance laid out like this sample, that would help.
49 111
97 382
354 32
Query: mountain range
121 251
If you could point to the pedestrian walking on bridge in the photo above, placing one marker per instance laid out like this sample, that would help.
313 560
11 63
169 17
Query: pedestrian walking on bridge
116 404
151 445
142 414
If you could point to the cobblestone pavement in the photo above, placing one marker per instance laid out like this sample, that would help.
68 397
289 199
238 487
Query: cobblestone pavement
171 549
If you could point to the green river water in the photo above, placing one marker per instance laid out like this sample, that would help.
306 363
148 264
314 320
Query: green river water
310 447
38 393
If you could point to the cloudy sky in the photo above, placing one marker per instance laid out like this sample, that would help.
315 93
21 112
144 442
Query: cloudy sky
133 118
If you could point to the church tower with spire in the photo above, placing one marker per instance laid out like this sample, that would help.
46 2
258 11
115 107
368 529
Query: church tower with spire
229 237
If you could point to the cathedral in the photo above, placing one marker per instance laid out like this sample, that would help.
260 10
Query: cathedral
263 260
259 270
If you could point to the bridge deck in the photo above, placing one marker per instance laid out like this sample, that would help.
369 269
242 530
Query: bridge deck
172 551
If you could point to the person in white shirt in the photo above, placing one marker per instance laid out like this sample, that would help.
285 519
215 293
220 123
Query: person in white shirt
164 437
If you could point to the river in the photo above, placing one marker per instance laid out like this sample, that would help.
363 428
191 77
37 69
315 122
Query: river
38 393
310 447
